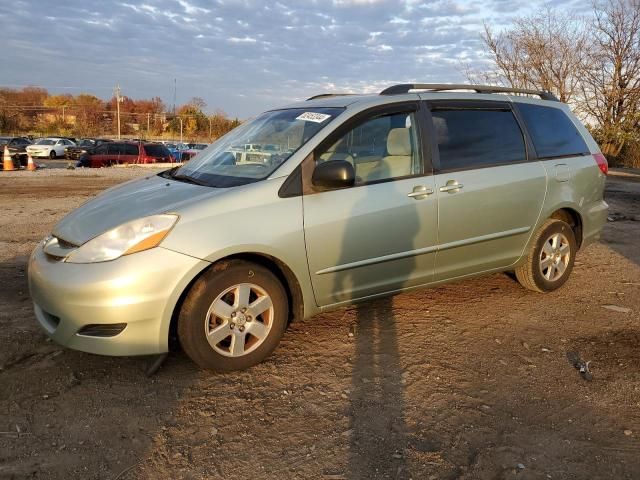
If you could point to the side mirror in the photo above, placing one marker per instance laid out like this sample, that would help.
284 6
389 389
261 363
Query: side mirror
334 174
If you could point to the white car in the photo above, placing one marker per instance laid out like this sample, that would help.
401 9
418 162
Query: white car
51 147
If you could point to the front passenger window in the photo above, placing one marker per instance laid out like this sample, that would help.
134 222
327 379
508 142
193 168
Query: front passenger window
381 148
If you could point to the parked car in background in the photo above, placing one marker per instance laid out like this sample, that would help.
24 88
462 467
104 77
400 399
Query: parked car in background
176 149
192 150
86 145
52 147
119 153
17 149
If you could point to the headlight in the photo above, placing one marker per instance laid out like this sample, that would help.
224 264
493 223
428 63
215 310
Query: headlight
131 237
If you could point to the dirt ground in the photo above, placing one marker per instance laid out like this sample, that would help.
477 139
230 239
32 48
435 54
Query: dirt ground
465 381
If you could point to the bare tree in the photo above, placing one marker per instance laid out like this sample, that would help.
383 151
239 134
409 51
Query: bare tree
545 51
611 84
197 102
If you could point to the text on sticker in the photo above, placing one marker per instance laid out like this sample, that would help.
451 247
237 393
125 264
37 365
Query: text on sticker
313 117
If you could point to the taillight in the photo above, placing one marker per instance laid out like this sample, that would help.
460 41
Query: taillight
601 160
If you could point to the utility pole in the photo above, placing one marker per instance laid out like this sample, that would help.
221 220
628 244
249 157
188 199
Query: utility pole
116 92
148 117
174 95
180 118
209 128
63 107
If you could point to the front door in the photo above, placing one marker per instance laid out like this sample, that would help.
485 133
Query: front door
380 235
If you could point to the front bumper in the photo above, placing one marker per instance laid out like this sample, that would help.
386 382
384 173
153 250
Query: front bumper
38 153
74 154
140 290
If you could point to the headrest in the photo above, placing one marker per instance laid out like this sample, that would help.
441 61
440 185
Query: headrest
399 142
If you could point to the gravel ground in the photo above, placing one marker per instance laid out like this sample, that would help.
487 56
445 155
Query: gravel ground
465 381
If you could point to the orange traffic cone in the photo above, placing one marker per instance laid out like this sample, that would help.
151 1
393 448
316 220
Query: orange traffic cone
7 161
30 165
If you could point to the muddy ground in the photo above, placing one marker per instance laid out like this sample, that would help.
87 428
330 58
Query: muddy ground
465 381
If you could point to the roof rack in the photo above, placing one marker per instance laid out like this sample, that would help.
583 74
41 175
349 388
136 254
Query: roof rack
439 87
326 95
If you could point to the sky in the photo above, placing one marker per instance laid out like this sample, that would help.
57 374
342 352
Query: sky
244 57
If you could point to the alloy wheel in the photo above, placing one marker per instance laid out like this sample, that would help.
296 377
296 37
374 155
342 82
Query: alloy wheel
555 256
239 320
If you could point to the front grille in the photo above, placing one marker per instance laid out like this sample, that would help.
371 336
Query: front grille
102 330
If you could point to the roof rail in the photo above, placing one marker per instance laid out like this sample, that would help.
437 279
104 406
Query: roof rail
439 87
326 95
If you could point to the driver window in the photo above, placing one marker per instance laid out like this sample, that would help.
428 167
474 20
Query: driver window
381 148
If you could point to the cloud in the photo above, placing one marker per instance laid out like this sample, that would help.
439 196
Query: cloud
244 56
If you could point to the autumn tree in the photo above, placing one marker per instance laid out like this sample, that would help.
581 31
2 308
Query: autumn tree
19 108
89 115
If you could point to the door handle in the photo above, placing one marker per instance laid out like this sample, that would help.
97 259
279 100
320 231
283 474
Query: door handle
419 192
452 186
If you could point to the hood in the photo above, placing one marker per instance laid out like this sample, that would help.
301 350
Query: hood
139 198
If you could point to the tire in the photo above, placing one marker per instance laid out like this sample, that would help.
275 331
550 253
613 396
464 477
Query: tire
548 267
52 154
214 308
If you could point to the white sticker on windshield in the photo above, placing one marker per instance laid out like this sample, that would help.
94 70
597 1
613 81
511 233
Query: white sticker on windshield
313 117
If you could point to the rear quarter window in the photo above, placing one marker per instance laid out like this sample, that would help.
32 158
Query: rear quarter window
552 132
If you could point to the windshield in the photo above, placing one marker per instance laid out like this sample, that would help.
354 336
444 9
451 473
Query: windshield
255 149
87 143
46 141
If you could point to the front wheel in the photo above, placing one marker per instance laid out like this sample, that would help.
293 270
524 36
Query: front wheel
52 154
551 258
233 317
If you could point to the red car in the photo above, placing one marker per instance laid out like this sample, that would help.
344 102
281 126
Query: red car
118 153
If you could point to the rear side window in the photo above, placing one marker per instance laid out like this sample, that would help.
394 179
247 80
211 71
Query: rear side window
477 138
552 132
156 150
128 149
115 149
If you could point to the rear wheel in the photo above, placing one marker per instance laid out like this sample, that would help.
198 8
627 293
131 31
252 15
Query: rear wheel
551 258
233 317
52 154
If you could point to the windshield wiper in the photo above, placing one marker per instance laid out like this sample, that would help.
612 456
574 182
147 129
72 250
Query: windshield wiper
188 179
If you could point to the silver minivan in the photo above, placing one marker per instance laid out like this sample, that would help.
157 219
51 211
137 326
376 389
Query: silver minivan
330 201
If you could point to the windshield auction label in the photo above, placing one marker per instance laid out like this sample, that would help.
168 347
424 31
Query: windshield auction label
313 117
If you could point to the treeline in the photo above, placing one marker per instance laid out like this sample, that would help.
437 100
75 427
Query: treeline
32 110
590 62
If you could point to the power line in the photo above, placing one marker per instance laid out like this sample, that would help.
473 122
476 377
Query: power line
45 109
